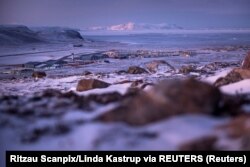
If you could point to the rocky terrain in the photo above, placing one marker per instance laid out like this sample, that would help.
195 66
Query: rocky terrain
155 106
121 99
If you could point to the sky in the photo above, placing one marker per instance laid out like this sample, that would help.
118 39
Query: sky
88 13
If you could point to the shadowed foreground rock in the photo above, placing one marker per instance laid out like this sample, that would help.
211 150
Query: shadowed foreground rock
235 75
167 99
203 144
237 131
238 127
87 84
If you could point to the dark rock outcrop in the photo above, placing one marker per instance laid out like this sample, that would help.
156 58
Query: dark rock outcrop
87 84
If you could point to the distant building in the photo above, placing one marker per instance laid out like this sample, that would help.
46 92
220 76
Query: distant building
31 64
23 71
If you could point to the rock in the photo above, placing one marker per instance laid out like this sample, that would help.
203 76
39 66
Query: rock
121 72
232 104
34 134
190 96
187 69
207 143
146 86
87 84
238 130
105 98
51 93
167 99
244 73
230 78
218 65
38 74
245 142
235 75
238 127
78 45
136 83
122 82
87 73
137 110
106 61
112 54
246 62
154 65
136 70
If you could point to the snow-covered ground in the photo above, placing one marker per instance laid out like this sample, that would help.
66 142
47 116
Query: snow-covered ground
168 134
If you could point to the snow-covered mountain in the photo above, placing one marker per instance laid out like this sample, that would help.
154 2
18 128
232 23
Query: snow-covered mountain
130 26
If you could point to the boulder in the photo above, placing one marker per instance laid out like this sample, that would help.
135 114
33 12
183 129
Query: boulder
121 72
187 69
87 84
244 73
136 70
112 54
39 74
246 62
139 109
190 96
156 64
136 83
235 75
167 99
87 73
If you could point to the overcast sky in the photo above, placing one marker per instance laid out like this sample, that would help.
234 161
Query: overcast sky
86 13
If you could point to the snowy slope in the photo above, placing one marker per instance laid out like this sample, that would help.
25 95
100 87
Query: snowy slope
24 35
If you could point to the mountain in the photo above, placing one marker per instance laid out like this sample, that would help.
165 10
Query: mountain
130 26
18 34
57 33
